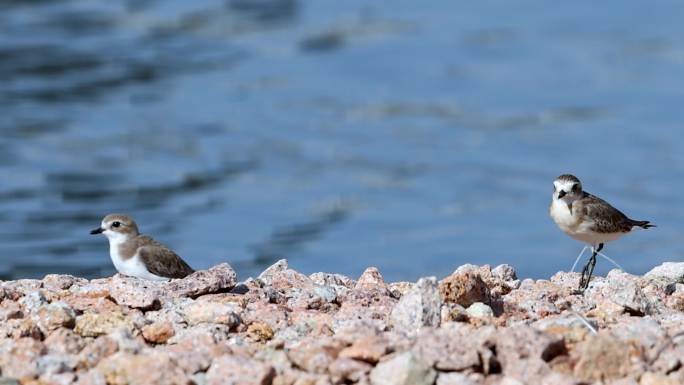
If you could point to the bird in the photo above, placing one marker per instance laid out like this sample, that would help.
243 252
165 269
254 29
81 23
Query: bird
139 255
589 219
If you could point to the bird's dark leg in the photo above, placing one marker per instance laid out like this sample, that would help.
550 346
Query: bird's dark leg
588 269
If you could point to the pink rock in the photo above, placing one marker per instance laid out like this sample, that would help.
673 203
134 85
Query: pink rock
347 369
371 279
524 352
195 352
369 349
151 368
448 349
603 357
315 355
55 282
403 369
19 358
158 332
209 312
64 341
135 292
57 378
96 351
231 369
55 315
10 310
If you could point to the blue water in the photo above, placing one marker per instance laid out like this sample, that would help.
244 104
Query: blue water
411 136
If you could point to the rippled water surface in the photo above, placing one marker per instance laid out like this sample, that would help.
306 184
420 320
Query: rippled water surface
411 136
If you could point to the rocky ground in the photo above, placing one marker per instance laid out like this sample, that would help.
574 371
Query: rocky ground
477 326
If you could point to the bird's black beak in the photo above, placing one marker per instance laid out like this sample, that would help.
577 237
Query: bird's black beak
98 230
561 194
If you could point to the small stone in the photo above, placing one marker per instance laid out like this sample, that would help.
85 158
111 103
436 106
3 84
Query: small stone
230 369
10 310
217 279
56 282
369 349
398 289
97 324
19 358
402 369
32 301
505 272
603 358
91 377
329 279
267 275
349 369
158 332
524 352
455 378
623 289
260 331
419 307
211 312
371 279
96 351
64 341
478 309
452 312
464 288
449 349
55 315
154 368
66 378
314 356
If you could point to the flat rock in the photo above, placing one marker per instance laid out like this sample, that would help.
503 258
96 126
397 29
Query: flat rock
216 279
672 272
135 292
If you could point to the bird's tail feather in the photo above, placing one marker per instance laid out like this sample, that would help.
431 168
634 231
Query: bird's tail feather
642 224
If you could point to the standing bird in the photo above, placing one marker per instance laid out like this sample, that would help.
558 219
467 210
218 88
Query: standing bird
139 255
588 218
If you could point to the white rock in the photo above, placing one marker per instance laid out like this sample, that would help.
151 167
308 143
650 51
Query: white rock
480 310
671 271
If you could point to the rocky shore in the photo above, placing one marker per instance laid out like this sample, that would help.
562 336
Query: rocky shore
479 325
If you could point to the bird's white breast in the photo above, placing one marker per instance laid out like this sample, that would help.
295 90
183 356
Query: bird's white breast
580 230
131 266
561 214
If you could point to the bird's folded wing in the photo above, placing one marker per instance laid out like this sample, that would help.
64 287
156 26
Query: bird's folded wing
605 218
163 262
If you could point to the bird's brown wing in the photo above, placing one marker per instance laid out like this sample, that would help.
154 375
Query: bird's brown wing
606 218
161 260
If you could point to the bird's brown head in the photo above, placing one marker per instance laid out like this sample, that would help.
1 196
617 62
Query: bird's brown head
117 226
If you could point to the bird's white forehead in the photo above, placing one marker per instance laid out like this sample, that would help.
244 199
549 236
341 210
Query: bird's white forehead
563 184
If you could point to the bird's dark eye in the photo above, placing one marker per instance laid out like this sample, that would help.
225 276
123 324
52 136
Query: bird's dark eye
574 188
116 224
